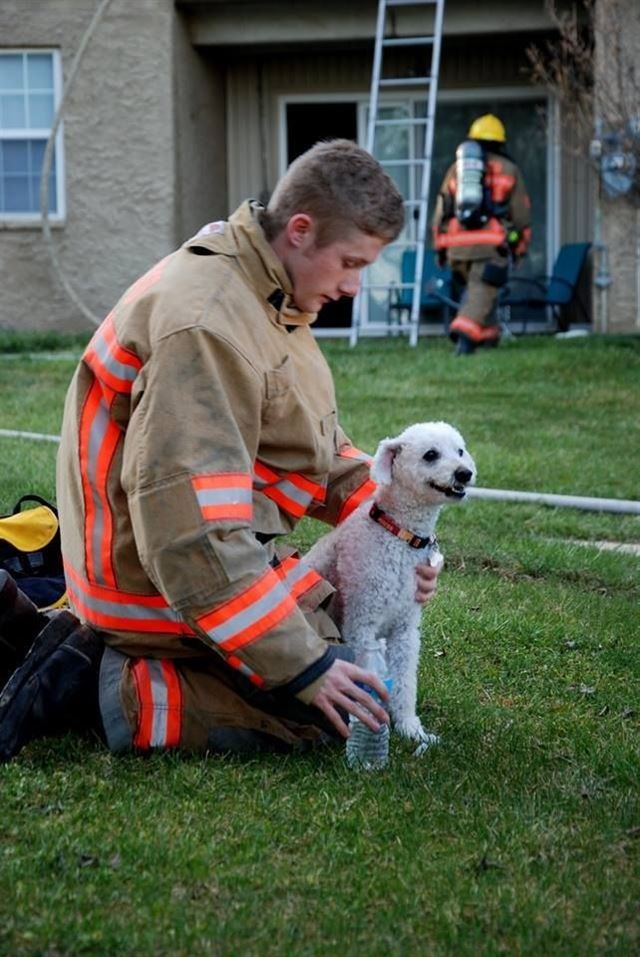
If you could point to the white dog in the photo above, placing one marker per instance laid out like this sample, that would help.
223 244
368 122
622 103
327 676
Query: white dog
370 558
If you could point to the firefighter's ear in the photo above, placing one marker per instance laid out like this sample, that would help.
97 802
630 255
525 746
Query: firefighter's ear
300 229
382 465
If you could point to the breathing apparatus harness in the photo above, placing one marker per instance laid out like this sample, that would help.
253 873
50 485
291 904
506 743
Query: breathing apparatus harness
473 205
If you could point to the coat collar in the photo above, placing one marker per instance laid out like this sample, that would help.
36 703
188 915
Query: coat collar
266 273
243 237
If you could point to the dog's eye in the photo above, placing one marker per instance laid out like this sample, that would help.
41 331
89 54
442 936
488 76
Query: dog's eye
431 456
460 453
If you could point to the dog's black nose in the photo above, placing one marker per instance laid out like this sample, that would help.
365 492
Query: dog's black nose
463 475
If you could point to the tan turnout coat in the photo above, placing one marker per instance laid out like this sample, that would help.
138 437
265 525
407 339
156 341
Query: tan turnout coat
199 426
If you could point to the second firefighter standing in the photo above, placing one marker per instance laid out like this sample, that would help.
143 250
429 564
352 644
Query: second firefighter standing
481 224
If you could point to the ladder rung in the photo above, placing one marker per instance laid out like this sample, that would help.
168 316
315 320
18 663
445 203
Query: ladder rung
407 41
406 81
412 3
407 121
419 161
403 244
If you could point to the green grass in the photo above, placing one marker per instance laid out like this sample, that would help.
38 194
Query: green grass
520 835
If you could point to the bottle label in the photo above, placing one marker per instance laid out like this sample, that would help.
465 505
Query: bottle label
387 682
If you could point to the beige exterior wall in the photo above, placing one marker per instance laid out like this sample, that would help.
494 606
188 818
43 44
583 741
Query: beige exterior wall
125 144
174 118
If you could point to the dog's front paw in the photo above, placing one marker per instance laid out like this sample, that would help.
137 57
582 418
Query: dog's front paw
412 729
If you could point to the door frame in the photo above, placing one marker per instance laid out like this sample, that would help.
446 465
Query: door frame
466 94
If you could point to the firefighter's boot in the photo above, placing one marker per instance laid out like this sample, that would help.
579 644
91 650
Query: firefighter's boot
20 622
464 345
55 688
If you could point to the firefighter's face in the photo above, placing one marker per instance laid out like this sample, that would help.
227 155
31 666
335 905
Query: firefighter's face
325 274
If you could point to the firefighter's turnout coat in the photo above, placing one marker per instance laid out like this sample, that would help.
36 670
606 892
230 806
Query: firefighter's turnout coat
511 204
199 427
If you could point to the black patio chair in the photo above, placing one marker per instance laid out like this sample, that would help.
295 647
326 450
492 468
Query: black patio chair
550 295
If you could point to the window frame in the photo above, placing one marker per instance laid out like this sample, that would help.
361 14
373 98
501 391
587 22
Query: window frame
34 218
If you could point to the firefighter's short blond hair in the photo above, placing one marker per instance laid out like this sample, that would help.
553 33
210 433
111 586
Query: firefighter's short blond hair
342 187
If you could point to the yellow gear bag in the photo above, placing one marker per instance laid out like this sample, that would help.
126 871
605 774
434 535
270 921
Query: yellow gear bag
30 551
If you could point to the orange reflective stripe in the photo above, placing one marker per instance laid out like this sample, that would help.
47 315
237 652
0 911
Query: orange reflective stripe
473 330
291 491
246 617
361 494
99 437
174 703
500 183
116 610
142 682
146 282
224 496
159 694
493 234
297 578
351 452
114 365
253 677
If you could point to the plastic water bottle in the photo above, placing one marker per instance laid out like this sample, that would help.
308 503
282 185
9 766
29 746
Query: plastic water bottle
366 749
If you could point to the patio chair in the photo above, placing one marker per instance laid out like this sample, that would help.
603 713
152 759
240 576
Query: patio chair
551 295
436 293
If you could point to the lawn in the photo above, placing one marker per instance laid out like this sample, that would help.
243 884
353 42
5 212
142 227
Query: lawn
518 835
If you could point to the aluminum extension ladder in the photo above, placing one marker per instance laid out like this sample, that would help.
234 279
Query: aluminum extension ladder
386 40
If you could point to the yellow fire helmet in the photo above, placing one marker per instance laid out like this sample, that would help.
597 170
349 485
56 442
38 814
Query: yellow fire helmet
487 127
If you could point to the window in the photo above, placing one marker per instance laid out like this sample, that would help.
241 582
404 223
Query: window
29 94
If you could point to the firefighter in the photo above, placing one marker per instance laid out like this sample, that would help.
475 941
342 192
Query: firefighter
199 427
481 223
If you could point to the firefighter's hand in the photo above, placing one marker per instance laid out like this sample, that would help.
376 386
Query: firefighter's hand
427 580
339 690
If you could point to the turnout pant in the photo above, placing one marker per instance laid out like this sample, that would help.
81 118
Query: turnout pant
482 279
202 704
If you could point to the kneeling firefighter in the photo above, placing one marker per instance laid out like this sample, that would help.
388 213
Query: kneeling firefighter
481 224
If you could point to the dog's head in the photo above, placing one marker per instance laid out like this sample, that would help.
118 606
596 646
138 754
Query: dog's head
429 460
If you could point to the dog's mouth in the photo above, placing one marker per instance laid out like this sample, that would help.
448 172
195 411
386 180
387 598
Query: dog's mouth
455 490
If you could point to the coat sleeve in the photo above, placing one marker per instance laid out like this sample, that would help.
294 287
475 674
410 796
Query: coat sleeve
349 482
187 473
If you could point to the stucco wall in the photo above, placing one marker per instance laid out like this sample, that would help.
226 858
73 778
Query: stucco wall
119 156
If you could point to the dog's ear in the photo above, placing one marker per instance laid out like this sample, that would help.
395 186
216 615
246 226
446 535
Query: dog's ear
383 461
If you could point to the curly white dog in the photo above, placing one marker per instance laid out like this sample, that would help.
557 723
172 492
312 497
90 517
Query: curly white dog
371 557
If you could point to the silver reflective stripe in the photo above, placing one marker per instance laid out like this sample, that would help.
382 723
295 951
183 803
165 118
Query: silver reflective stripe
249 616
118 732
160 697
287 488
99 428
119 369
224 496
245 669
294 573
293 492
116 609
